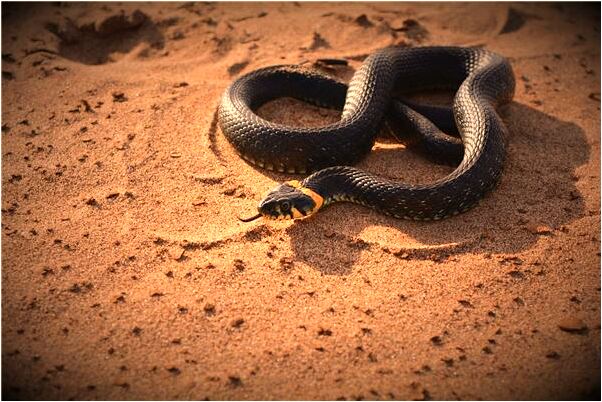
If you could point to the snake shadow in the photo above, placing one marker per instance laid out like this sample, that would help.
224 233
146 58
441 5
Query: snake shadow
538 187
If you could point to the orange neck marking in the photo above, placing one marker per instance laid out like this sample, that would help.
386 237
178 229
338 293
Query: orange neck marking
318 199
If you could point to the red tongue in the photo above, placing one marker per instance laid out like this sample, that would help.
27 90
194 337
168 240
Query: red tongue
252 218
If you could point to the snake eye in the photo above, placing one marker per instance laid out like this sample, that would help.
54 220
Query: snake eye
285 206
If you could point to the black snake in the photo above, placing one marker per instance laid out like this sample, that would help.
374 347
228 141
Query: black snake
483 81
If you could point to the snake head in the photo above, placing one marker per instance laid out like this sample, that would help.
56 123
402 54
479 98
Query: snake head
288 200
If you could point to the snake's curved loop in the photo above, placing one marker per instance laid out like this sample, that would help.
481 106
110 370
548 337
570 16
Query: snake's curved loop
484 80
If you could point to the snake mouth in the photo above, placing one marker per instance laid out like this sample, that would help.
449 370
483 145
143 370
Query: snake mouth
270 217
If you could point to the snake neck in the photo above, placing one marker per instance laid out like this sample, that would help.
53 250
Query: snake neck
448 196
335 184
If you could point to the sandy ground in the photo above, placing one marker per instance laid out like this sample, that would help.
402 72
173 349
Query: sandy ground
126 275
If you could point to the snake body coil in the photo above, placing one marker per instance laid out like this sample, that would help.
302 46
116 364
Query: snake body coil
484 81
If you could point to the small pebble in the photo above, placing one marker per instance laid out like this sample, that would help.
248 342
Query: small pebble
119 97
572 324
238 323
538 229
436 340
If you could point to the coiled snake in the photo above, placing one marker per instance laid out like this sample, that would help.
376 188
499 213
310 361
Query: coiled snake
484 81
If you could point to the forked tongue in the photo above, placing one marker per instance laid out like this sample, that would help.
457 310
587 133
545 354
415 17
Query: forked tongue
249 219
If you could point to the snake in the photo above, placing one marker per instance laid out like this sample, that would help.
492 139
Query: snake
374 99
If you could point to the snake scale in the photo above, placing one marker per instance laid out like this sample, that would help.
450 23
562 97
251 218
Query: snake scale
483 80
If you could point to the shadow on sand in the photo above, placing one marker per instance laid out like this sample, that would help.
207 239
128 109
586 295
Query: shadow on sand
94 41
538 187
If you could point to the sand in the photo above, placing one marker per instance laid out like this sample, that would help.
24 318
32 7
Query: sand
126 275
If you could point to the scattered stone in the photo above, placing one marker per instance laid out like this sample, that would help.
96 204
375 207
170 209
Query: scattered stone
136 331
47 271
178 254
466 303
181 85
208 179
419 393
87 107
119 97
572 325
238 323
209 309
230 191
514 260
553 355
363 21
594 96
15 178
324 332
239 265
437 340
516 274
81 288
235 381
318 42
174 370
538 229
286 263
7 75
413 30
159 241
